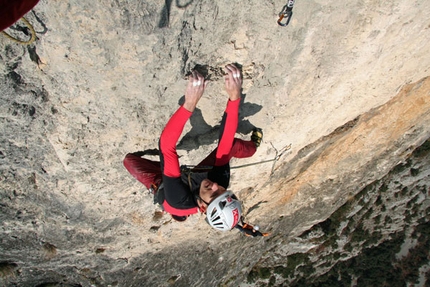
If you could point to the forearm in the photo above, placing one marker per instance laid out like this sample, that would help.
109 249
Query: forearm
168 140
228 129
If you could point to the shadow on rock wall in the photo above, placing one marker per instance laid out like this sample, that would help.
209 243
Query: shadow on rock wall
165 13
202 133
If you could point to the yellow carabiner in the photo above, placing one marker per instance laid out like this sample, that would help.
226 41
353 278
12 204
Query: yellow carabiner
23 42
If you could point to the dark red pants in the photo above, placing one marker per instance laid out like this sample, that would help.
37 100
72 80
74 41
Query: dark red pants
149 172
12 10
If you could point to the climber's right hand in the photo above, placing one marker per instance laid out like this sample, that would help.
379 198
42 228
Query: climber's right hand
194 91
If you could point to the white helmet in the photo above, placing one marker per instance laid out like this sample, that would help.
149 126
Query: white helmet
224 212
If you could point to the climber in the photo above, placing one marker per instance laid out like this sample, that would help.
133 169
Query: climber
188 192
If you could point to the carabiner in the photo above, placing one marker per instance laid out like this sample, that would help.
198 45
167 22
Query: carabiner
286 13
286 16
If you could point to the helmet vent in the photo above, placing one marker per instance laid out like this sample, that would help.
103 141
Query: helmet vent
214 211
219 223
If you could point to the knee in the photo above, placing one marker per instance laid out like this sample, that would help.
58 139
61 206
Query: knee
129 160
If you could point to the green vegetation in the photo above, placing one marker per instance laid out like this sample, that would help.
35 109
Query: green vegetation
368 213
7 269
415 171
377 219
374 238
378 201
348 247
404 191
360 234
375 265
388 220
417 256
408 216
383 188
259 273
423 150
272 281
293 261
401 167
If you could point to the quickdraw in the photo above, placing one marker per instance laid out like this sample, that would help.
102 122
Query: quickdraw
275 159
249 230
286 14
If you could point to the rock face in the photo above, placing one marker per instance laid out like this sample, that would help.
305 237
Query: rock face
343 85
377 236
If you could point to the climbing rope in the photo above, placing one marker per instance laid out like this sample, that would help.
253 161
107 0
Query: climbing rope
275 159
32 31
286 14
208 168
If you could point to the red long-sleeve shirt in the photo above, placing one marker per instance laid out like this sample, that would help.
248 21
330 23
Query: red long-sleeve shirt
179 200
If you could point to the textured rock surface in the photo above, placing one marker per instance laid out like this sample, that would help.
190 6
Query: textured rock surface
102 79
377 236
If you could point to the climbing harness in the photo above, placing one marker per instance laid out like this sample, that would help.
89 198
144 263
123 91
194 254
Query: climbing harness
286 14
278 155
32 31
195 168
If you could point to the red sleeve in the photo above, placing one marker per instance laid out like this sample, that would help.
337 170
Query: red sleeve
168 139
229 130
